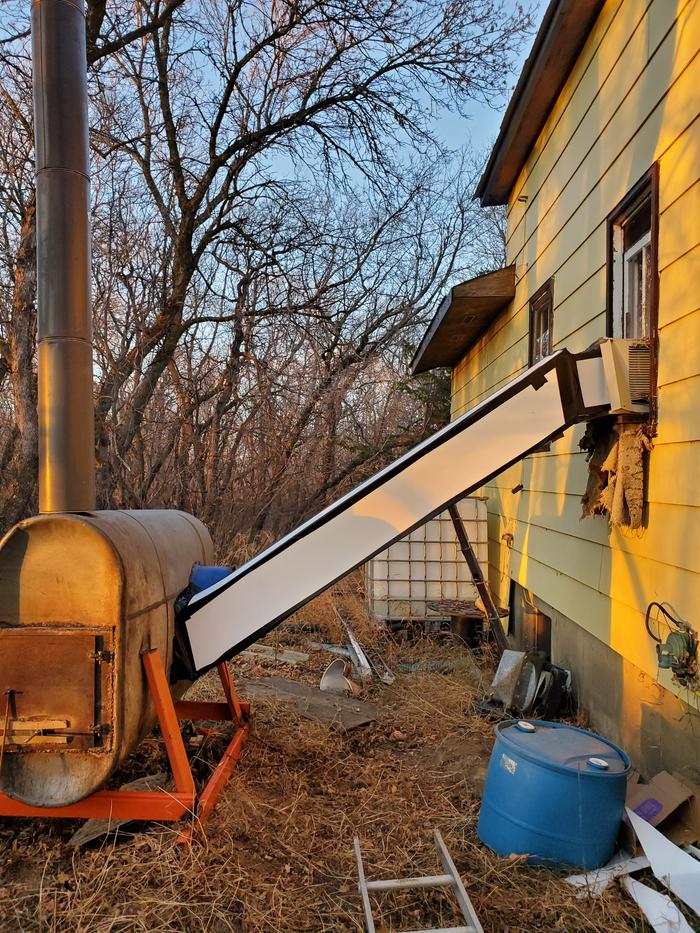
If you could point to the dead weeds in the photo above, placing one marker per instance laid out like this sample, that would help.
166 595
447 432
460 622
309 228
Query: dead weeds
277 855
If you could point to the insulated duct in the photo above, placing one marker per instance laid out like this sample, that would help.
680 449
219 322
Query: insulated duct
66 411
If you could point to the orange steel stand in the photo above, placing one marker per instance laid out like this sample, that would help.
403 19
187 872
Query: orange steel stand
161 805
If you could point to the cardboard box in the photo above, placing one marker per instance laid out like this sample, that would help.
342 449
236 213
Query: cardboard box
665 803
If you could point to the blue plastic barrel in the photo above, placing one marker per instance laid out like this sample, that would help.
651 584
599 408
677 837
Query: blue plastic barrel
554 793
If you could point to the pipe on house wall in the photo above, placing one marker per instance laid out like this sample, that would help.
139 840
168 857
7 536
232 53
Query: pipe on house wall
64 324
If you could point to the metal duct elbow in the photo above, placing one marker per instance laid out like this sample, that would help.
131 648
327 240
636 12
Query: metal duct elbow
66 410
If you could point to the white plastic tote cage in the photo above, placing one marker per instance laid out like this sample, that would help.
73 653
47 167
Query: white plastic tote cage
427 565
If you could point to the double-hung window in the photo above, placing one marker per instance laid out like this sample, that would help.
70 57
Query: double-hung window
632 269
632 272
541 320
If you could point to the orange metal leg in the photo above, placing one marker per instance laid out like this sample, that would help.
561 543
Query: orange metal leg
230 692
169 725
109 805
199 710
234 710
237 710
215 784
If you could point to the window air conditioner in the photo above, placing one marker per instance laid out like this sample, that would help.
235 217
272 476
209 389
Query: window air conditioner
627 367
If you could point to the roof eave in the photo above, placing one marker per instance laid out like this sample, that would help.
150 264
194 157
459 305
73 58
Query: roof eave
446 338
565 28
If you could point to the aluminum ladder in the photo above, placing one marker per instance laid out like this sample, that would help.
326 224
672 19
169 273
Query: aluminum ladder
449 878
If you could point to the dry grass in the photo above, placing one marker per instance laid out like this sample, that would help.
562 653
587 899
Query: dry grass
277 855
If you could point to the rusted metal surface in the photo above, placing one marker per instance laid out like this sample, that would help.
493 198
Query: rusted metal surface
48 673
456 607
26 732
157 804
85 595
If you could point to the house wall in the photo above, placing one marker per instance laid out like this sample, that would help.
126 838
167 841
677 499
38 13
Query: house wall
632 99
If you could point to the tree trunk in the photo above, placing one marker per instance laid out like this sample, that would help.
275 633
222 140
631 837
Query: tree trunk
18 496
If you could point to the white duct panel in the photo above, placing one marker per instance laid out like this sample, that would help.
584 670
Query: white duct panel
452 463
427 565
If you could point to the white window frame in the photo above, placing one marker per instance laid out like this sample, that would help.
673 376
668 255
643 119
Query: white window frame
620 294
535 322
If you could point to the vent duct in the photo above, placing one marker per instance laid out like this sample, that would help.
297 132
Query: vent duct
66 412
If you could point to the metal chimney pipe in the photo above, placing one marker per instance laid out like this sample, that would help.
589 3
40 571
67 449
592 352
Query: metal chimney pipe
66 409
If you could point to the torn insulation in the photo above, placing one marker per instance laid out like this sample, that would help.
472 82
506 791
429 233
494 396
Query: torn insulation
616 453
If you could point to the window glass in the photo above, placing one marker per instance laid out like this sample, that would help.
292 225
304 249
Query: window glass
636 287
638 223
632 270
541 315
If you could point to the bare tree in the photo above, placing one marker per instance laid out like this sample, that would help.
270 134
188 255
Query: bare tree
273 222
107 32
19 429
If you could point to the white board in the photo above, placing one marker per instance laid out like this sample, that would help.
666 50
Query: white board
537 405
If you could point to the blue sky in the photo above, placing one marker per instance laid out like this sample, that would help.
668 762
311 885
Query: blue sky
484 122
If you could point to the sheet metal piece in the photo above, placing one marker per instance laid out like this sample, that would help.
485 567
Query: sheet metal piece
360 661
508 672
272 653
676 869
331 649
342 712
658 908
535 407
592 883
335 681
380 667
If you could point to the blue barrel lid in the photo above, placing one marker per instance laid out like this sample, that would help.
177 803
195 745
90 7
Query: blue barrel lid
562 747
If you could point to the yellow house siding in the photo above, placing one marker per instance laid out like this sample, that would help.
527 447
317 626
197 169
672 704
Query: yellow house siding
631 100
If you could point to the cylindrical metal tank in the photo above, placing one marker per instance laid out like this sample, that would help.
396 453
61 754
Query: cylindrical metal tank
554 793
81 596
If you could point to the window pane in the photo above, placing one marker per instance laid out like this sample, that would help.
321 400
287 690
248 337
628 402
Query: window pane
637 224
634 288
541 324
631 268
637 291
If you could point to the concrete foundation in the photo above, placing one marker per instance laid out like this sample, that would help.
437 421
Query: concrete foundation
657 729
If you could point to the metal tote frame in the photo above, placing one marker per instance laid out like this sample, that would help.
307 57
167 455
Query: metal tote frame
162 805
449 878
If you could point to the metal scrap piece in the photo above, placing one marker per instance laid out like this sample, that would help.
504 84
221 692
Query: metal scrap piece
676 869
658 908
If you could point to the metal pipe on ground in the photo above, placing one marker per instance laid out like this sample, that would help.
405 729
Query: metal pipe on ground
66 410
